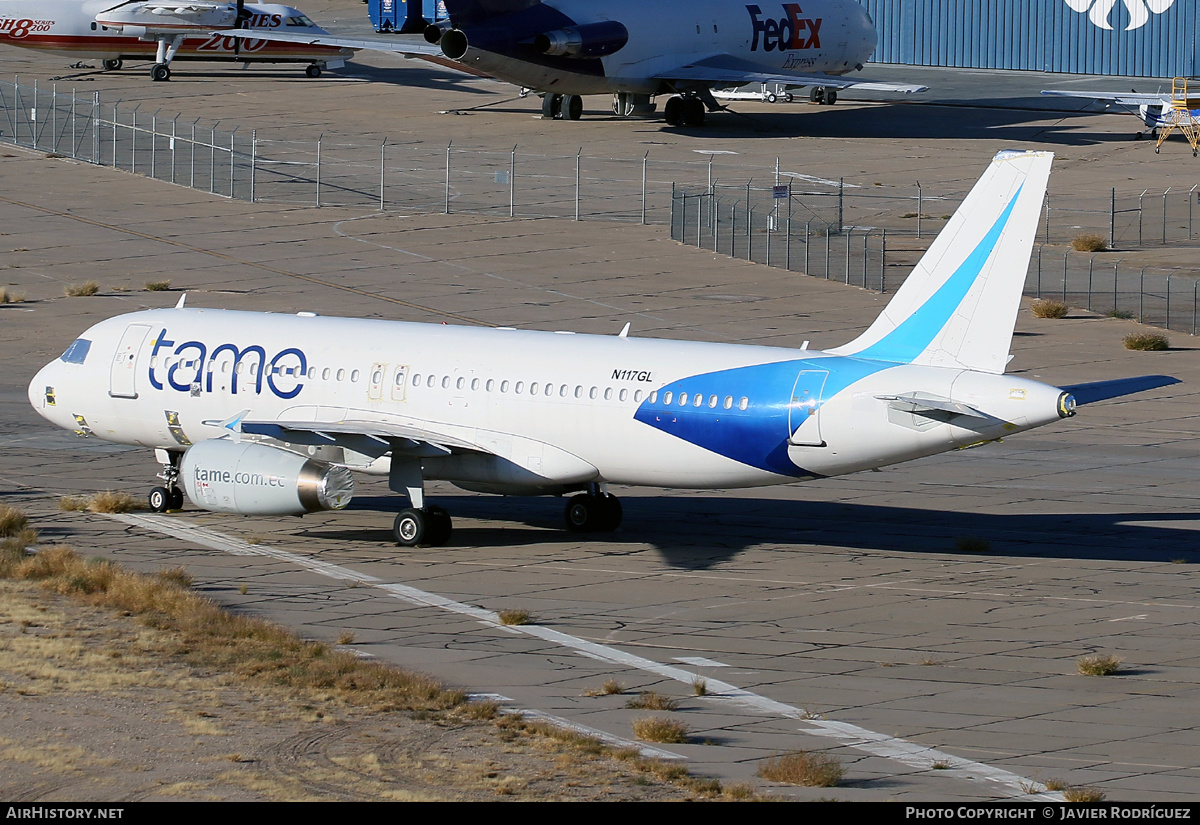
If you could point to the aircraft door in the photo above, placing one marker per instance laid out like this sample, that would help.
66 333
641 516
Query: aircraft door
804 411
378 376
122 378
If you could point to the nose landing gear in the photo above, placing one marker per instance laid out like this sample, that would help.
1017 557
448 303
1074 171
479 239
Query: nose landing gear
169 497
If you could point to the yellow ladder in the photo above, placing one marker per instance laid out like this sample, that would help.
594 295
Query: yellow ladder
1180 117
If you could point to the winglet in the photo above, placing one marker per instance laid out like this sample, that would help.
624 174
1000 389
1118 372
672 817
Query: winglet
959 305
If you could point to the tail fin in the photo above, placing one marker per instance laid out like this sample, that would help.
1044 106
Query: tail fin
959 306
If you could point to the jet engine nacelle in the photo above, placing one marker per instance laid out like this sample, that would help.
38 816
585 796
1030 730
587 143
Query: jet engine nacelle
588 40
256 480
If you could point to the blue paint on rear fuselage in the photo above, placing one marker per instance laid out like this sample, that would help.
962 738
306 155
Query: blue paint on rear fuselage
758 435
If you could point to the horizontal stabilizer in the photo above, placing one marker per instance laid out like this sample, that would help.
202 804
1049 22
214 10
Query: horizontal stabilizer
921 402
1101 390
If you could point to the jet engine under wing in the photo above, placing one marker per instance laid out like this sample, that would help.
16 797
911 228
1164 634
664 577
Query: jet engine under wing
726 69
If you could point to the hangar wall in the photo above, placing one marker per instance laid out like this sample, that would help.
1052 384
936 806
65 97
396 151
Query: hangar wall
1145 38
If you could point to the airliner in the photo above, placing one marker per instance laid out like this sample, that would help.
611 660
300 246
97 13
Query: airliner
114 31
635 50
261 413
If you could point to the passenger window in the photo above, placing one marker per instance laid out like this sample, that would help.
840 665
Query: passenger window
520 386
445 382
683 397
729 402
474 383
399 379
593 393
562 391
578 392
460 383
744 403
712 402
608 393
698 401
667 397
354 377
654 397
624 394
341 374
503 386
490 384
533 388
637 396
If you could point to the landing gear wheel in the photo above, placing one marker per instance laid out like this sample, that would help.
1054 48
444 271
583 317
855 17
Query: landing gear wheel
572 108
772 97
428 526
551 106
693 111
176 502
789 98
160 72
313 70
113 65
159 499
593 514
830 97
1157 149
673 111
817 95
410 527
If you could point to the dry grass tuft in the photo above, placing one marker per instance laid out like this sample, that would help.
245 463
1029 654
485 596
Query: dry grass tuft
660 729
346 637
481 709
813 770
177 576
1083 793
1089 242
73 504
84 290
245 646
700 686
610 688
649 700
971 544
1049 308
12 521
1146 341
1053 784
7 297
112 501
1098 664
515 617
157 286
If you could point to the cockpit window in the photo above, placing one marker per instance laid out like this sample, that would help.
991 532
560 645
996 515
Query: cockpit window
300 20
77 352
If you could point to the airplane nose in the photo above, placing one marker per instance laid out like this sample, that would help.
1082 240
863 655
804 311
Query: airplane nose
41 390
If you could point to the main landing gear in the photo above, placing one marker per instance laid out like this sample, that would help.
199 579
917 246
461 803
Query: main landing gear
170 497
562 107
593 512
684 111
113 65
168 47
429 525
822 96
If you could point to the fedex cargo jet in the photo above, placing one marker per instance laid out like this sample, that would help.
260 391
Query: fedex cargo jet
259 413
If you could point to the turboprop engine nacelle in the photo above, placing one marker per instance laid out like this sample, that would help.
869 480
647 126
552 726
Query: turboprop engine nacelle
256 480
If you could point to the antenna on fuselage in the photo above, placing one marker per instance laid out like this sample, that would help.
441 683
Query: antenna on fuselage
182 301
625 332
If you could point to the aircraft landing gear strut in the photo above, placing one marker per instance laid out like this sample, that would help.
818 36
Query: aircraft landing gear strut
170 497
113 65
420 524
167 49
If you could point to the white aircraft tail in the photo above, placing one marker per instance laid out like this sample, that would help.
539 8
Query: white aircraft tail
959 306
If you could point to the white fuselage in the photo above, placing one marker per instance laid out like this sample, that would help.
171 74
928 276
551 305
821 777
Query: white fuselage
530 411
818 36
72 28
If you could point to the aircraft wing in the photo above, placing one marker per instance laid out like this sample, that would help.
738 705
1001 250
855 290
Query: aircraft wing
365 436
400 44
1120 98
725 69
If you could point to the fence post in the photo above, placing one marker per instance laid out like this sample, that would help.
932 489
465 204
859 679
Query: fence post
1065 254
1168 300
95 127
749 233
883 261
1115 266
920 208
253 162
74 126
174 132
1140 213
1112 220
807 245
1142 295
865 234
53 117
646 160
767 227
212 159
578 161
841 204
1194 285
733 230
1091 265
448 146
232 163
154 141
1164 223
1190 200
1039 271
827 227
133 139
1047 221
114 133
787 249
846 268
382 174
512 182
320 137
716 222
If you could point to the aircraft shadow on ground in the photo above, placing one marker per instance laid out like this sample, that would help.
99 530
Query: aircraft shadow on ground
700 532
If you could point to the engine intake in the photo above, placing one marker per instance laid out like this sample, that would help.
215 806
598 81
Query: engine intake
588 40
257 480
